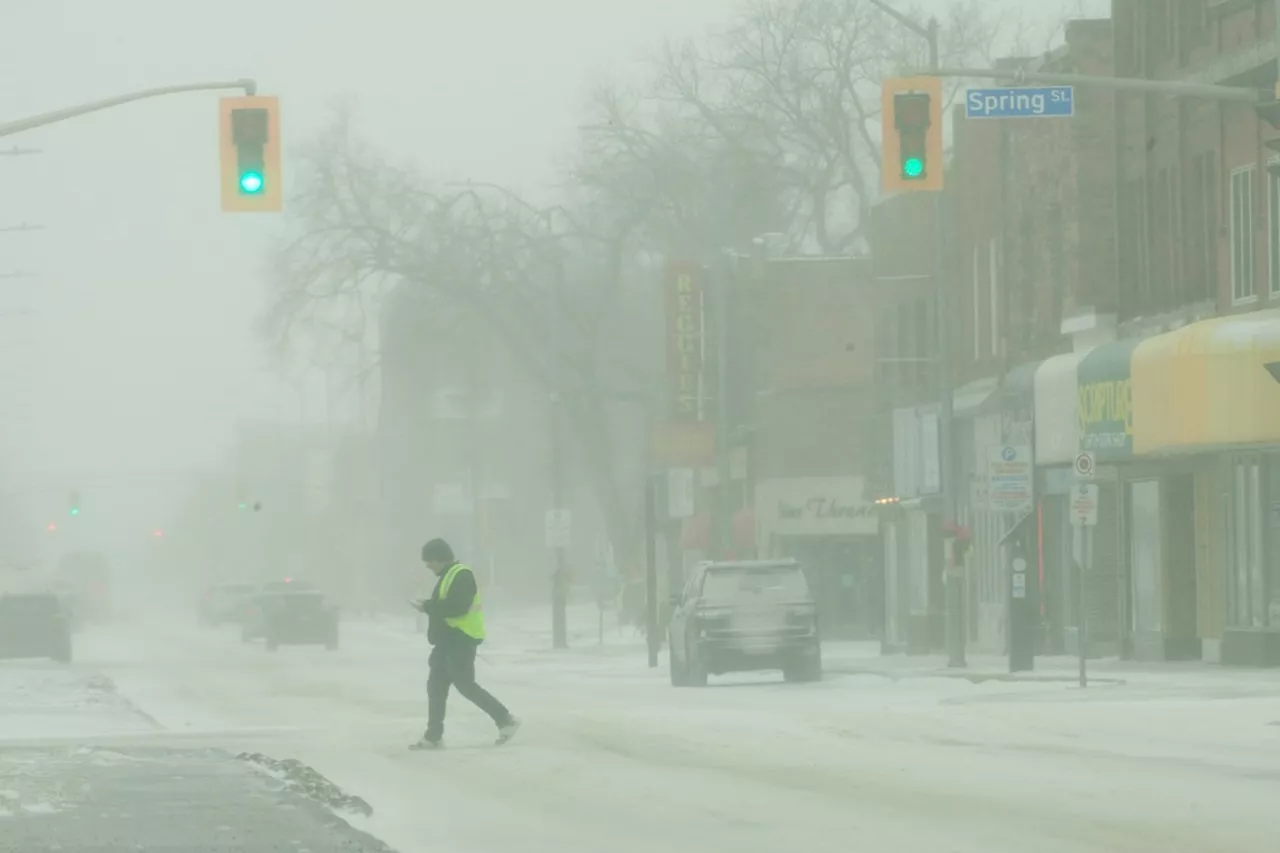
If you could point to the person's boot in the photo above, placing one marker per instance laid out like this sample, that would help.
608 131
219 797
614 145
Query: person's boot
507 730
425 742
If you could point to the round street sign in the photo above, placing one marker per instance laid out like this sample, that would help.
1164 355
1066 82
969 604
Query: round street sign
1084 464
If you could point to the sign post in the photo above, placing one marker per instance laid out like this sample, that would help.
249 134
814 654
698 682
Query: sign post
559 526
1084 517
1009 479
680 491
1084 465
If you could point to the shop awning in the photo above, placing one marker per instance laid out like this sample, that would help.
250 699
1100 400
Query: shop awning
967 399
1014 391
1057 426
1207 385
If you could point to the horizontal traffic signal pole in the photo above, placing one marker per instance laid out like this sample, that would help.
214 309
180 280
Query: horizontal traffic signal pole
1172 88
248 86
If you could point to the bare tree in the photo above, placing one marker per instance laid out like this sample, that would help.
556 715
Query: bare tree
365 226
772 124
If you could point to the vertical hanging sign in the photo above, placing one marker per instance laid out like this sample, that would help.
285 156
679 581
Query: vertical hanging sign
685 350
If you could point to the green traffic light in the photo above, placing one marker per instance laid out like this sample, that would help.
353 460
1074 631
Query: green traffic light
75 510
251 183
912 167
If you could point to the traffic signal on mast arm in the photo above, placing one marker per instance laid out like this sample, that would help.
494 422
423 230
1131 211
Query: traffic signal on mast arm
911 140
249 143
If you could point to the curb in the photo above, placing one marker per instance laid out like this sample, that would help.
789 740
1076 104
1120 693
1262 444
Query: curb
971 677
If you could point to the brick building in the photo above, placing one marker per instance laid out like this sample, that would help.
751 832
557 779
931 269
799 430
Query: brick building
1199 267
1111 280
1032 266
809 374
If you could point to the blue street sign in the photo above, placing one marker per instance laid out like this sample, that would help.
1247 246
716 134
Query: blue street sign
1049 101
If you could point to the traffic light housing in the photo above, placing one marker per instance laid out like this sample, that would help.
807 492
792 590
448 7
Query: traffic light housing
249 134
911 143
73 504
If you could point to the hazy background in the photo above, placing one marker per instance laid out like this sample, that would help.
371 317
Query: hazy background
141 359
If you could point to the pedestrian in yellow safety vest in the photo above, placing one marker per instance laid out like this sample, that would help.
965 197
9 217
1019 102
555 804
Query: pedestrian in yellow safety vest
455 628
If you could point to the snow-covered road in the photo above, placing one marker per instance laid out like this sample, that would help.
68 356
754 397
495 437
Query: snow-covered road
612 758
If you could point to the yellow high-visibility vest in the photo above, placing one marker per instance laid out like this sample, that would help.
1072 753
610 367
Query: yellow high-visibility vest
470 623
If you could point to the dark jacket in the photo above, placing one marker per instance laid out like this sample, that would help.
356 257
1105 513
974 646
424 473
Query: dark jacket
461 593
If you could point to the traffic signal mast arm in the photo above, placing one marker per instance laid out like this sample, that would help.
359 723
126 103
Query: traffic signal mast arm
1172 88
249 87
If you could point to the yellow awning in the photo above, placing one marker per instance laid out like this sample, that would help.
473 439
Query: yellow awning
1207 385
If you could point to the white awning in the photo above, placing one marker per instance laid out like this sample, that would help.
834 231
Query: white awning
1057 425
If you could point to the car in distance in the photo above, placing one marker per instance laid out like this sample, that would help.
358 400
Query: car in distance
745 617
296 616
34 625
224 602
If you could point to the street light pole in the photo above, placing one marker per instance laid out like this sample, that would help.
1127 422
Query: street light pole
953 575
249 87
559 585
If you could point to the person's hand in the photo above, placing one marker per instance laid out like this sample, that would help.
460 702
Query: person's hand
419 604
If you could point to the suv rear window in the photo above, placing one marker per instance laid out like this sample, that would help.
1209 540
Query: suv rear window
733 582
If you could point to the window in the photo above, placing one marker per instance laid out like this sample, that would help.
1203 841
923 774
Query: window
1247 588
993 258
977 305
1161 216
1213 206
1273 231
1242 258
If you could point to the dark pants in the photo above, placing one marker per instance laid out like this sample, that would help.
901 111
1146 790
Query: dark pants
453 664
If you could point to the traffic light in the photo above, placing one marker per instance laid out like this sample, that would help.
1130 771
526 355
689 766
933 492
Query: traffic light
73 504
249 130
911 143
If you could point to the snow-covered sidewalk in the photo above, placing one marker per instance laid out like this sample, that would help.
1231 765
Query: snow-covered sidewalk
41 700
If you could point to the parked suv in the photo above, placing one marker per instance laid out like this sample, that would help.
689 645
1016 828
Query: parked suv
34 625
293 617
744 617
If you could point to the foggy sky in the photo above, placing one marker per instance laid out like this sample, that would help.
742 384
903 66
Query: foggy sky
141 357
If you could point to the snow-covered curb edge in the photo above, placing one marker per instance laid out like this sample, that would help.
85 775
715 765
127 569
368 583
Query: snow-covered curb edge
302 779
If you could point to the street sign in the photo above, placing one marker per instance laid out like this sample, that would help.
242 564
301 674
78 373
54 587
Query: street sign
559 528
680 493
1009 478
1084 465
1045 102
1084 505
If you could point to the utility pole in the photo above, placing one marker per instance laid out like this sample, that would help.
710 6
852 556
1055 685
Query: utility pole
953 574
956 580
559 586
722 278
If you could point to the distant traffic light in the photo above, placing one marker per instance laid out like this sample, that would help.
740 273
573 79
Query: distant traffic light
158 533
73 504
250 152
911 120
52 528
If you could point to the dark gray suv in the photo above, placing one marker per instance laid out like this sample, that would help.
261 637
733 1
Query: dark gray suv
745 617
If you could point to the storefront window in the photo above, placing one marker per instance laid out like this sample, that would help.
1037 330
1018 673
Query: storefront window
1248 588
1145 558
